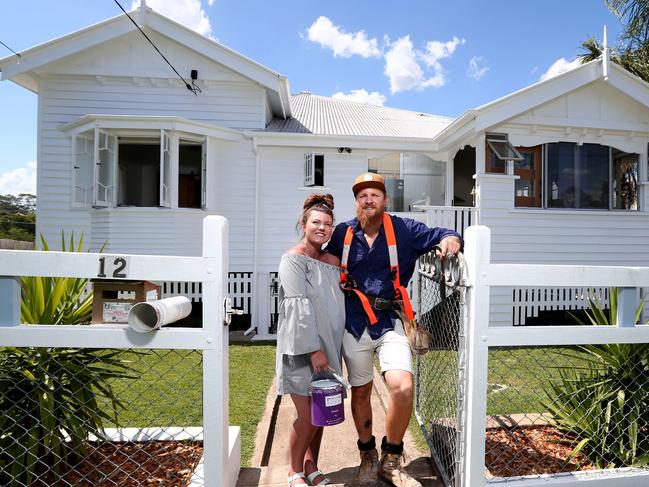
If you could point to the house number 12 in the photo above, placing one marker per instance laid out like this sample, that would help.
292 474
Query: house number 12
115 267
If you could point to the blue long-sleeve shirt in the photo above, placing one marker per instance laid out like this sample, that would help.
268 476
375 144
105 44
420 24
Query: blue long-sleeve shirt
370 267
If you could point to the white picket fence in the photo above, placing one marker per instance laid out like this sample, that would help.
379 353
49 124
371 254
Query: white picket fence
528 302
221 446
482 275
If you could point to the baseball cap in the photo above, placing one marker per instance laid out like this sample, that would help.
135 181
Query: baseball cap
368 180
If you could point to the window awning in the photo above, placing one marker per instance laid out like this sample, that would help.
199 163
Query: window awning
146 122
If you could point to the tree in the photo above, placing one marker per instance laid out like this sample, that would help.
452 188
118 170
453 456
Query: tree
632 52
18 216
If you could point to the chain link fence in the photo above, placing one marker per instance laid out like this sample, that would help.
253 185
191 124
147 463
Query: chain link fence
439 400
108 417
550 409
564 409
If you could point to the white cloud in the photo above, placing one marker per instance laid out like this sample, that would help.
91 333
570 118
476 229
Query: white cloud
561 65
403 64
477 68
210 2
436 50
20 180
362 96
342 43
189 13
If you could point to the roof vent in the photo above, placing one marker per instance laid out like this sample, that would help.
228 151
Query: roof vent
305 92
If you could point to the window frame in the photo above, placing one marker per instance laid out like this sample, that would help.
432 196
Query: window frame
610 208
309 179
169 160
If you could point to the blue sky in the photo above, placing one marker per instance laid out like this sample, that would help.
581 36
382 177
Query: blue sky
425 55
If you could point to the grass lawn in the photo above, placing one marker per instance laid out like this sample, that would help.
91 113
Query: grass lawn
168 391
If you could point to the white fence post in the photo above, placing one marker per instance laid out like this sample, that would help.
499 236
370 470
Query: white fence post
9 301
626 305
215 356
262 305
477 254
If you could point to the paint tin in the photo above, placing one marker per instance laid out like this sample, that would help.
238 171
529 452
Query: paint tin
327 406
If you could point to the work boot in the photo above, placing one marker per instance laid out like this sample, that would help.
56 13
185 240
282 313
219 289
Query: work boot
369 467
391 469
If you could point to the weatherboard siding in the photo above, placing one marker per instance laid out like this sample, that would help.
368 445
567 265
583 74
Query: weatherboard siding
150 230
556 237
282 194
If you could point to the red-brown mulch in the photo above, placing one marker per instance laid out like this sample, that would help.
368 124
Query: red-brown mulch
130 464
531 450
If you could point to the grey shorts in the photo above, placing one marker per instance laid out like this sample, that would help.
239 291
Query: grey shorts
392 350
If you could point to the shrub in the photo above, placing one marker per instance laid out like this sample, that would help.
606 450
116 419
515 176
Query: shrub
50 397
604 404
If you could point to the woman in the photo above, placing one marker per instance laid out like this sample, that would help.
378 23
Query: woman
310 330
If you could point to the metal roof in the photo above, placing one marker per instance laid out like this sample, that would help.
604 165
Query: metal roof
321 115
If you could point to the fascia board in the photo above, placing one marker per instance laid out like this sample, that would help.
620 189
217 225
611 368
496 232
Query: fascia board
65 46
214 51
125 122
465 127
629 84
265 139
535 95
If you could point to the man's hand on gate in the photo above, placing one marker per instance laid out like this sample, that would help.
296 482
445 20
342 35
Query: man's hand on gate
449 246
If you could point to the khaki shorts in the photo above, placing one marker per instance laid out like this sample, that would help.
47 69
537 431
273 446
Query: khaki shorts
392 350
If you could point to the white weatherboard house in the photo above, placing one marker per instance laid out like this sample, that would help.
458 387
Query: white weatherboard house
128 156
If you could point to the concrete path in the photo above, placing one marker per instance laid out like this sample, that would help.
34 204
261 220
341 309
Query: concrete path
339 454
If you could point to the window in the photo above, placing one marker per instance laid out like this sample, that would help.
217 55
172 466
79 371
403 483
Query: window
411 179
591 176
313 169
569 175
625 180
577 176
135 168
499 151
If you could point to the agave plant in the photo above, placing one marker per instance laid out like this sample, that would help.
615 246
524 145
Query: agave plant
53 399
56 300
604 404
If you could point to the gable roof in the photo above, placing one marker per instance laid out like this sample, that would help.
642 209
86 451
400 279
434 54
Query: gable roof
532 96
321 115
22 69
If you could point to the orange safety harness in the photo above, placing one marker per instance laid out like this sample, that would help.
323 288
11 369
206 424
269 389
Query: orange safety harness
348 283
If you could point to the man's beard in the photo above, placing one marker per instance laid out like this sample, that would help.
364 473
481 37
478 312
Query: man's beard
366 220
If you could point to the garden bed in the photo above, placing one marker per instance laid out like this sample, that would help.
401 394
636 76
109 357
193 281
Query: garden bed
129 464
531 450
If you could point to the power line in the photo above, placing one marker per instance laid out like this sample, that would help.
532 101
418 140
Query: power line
187 85
10 49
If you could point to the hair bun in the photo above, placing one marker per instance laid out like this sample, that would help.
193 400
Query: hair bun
319 199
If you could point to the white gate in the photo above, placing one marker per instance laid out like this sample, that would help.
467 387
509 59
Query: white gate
494 397
220 444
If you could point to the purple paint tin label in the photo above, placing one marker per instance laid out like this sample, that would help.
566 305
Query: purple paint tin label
327 406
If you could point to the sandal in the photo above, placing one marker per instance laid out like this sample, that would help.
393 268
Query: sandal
317 473
294 477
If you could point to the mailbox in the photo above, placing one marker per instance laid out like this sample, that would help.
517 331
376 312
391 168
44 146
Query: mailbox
113 298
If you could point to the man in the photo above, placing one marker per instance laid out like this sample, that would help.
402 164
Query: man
372 326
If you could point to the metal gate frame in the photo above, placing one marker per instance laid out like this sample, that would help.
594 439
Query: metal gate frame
441 302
